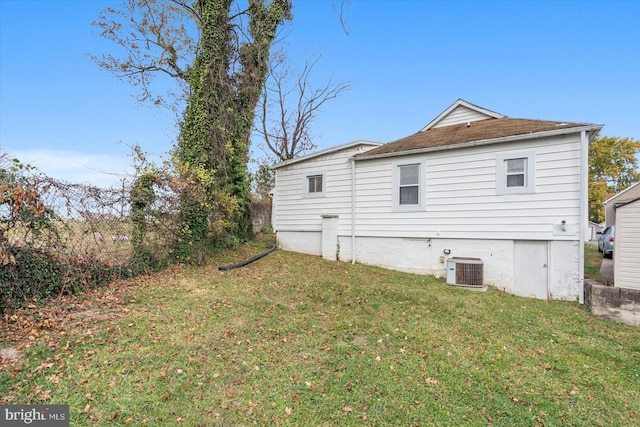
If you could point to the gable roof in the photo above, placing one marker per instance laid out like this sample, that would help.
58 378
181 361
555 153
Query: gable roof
630 190
327 151
468 124
461 111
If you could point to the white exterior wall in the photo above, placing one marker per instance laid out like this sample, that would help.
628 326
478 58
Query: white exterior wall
463 211
461 195
626 256
297 220
564 270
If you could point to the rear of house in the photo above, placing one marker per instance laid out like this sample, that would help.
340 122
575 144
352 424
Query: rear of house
472 183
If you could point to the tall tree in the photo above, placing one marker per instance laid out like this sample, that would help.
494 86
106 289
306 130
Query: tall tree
613 167
224 83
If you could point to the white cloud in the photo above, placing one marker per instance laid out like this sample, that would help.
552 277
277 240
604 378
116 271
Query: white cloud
103 170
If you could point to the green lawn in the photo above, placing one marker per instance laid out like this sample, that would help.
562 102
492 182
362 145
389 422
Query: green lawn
592 261
295 340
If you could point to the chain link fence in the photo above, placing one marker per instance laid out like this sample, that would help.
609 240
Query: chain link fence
58 237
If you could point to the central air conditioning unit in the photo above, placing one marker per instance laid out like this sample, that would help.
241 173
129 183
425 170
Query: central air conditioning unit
467 272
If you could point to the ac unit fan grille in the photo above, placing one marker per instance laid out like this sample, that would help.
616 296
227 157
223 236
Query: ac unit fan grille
469 274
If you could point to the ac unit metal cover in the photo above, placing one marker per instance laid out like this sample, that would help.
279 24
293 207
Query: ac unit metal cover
465 271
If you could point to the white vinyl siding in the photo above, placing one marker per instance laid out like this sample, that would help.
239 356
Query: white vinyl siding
461 114
461 198
627 246
295 211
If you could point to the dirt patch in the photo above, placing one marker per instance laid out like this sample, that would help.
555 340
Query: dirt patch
9 355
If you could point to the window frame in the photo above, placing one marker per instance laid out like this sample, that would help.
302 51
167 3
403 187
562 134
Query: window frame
421 205
529 173
305 184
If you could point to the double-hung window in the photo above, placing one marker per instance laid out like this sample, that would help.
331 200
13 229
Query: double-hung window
409 186
515 173
409 190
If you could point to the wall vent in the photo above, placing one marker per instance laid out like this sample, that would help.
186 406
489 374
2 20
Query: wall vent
465 272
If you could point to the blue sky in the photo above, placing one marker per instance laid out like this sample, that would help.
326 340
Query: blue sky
407 60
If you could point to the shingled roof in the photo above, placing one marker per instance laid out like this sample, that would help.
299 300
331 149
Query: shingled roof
483 128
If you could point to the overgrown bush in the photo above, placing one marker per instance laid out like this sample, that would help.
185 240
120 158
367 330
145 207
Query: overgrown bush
35 276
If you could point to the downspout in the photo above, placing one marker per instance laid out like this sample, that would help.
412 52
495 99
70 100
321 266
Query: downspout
353 211
584 204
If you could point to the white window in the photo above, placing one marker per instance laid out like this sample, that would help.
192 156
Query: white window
515 173
409 187
408 191
314 184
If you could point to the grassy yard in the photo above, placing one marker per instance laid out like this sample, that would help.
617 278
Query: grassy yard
592 261
295 340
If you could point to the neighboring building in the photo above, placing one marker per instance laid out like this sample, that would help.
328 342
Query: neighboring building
626 260
594 229
472 183
624 196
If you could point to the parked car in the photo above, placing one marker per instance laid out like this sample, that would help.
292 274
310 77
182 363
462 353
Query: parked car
605 241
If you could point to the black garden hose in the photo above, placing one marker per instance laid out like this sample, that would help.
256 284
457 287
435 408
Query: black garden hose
249 261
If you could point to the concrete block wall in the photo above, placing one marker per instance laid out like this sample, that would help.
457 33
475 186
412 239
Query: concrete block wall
619 304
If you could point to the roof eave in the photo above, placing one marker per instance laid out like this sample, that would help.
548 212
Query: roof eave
503 139
620 193
325 151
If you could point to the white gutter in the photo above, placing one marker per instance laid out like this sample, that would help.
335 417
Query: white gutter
353 211
584 204
520 137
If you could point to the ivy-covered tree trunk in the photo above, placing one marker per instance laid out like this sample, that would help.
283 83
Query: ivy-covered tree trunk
213 147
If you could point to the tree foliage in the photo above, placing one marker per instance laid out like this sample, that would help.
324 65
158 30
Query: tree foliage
218 50
213 148
613 167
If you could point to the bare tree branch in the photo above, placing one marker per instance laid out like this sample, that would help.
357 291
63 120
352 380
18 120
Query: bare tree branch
285 125
157 37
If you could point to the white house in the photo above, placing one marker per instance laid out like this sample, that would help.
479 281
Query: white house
626 261
472 183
